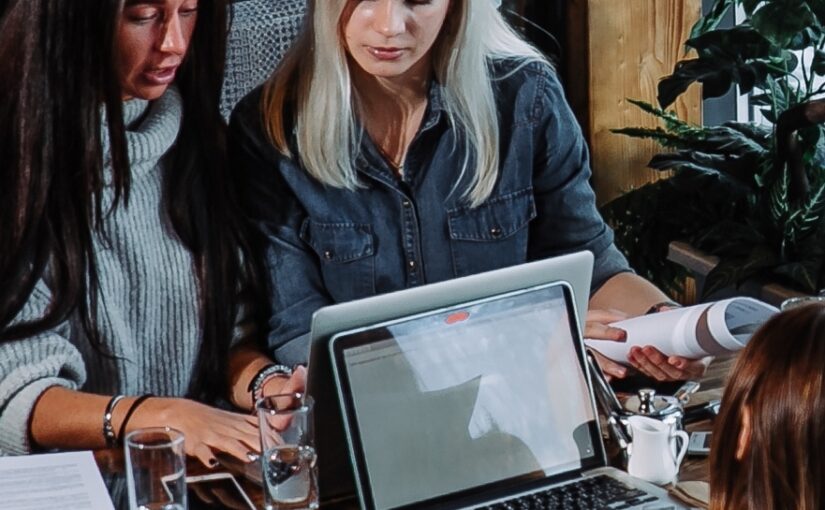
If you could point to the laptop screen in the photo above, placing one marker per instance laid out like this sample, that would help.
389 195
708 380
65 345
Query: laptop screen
466 397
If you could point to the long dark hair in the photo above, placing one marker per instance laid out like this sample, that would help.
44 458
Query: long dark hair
57 75
779 380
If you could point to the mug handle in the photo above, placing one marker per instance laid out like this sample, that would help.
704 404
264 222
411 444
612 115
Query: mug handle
681 434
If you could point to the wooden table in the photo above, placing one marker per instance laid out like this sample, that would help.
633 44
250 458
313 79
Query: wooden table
713 385
693 468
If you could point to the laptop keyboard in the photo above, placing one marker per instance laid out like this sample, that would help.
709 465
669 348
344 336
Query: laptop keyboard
597 493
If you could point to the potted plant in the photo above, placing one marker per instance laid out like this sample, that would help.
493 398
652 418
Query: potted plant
752 194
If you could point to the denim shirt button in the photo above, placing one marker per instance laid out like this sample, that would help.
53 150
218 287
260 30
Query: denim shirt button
405 203
328 254
412 265
495 232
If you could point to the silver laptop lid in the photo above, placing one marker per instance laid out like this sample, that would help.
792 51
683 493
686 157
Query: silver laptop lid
477 401
335 473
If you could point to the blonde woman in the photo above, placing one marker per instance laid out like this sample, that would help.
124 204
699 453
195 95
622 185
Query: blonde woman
405 142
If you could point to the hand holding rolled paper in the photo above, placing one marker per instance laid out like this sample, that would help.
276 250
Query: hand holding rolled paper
708 329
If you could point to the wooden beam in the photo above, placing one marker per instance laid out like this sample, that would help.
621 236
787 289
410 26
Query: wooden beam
620 49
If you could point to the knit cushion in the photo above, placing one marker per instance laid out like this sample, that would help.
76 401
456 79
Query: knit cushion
260 34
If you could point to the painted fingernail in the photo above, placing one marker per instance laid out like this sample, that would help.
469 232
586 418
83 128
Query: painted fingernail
213 462
622 335
252 456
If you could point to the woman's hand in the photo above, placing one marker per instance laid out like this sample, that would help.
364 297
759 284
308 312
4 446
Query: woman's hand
206 429
296 383
597 326
653 363
647 360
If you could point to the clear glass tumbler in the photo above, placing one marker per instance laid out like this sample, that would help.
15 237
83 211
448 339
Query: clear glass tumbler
796 302
288 456
156 469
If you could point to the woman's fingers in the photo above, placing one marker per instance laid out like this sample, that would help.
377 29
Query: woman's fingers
691 368
233 447
597 326
653 363
608 366
598 331
204 454
201 493
297 381
606 316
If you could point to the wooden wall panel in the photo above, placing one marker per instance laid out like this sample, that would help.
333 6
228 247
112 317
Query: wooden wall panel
621 49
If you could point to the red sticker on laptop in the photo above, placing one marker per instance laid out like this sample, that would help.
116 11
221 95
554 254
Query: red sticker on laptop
457 317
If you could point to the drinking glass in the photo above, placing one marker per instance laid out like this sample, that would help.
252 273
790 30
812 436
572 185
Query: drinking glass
796 302
156 469
288 452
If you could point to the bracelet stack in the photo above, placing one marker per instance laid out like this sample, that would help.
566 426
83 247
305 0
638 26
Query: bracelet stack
138 401
108 429
112 439
256 386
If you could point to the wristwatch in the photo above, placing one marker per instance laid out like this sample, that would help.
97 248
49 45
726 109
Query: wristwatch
658 307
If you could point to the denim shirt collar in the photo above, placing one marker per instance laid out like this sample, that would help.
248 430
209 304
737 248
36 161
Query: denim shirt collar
373 164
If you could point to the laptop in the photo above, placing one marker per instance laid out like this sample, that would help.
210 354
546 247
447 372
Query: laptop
483 404
335 476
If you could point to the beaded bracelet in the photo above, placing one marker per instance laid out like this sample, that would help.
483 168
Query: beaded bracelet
108 429
256 385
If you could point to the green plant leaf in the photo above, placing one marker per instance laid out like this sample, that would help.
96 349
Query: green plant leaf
738 55
804 274
732 271
659 135
781 21
726 195
818 8
818 63
750 6
807 218
778 200
712 19
806 38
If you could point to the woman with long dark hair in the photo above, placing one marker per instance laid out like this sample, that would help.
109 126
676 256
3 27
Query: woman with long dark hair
123 267
769 436
409 142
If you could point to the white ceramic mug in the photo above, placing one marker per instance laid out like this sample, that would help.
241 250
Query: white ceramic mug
655 455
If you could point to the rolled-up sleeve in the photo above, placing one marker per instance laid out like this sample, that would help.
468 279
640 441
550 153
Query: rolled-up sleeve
30 366
567 219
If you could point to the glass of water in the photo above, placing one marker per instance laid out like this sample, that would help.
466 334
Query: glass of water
796 302
288 452
156 469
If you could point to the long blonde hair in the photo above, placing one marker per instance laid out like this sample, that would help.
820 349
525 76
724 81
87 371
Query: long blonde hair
314 80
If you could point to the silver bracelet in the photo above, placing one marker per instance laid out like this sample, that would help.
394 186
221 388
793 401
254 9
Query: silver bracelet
256 386
108 428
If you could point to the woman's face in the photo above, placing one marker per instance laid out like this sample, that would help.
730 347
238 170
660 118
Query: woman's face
386 38
152 39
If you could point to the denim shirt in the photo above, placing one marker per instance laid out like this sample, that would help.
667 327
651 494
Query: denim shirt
325 245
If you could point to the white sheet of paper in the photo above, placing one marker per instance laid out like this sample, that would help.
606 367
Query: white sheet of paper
52 480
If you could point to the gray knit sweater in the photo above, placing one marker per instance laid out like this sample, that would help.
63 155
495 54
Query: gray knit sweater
148 315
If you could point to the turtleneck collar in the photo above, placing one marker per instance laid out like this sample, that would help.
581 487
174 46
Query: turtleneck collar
151 129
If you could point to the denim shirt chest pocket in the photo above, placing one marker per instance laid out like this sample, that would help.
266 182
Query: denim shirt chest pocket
346 256
492 235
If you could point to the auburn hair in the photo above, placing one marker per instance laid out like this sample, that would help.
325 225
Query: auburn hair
778 381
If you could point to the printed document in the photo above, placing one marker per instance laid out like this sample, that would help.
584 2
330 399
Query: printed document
55 480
